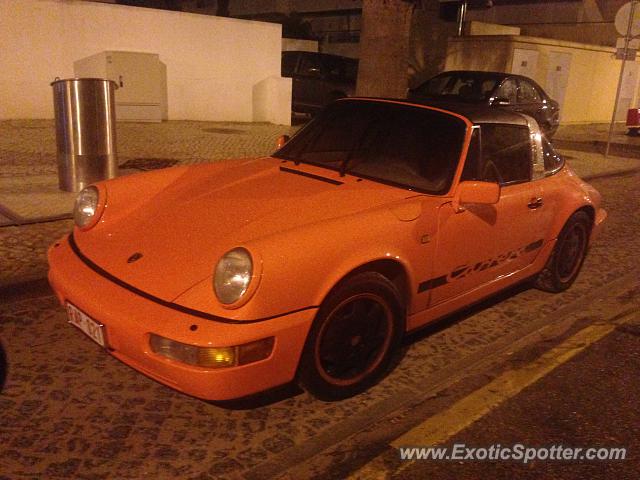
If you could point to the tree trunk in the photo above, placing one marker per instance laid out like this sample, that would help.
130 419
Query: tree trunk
223 8
384 48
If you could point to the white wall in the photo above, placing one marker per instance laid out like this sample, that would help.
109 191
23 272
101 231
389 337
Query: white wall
272 101
213 63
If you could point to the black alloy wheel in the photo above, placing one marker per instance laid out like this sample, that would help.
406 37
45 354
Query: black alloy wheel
568 255
351 342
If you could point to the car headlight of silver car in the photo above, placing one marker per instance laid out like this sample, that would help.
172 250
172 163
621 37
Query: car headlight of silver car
233 275
85 211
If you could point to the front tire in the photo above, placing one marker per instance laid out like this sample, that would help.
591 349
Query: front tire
353 337
568 255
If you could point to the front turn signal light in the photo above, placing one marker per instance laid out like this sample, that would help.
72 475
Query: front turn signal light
212 357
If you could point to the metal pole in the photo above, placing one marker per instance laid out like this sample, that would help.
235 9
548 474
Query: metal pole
462 12
627 39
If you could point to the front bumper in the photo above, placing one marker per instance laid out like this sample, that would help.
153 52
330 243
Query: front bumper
129 320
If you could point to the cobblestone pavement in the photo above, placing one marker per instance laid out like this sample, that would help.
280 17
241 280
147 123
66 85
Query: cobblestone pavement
28 165
23 250
71 411
28 147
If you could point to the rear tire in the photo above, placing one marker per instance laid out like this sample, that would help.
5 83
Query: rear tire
565 262
351 342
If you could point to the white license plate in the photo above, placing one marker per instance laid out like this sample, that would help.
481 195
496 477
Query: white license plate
94 330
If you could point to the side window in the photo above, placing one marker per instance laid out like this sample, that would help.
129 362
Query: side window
508 90
506 154
487 87
310 66
527 93
552 160
436 86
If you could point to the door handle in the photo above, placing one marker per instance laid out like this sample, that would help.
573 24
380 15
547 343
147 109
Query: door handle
535 202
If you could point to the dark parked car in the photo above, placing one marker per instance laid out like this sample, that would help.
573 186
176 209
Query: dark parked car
318 78
511 92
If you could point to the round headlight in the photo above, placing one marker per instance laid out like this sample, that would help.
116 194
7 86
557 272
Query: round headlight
86 206
233 275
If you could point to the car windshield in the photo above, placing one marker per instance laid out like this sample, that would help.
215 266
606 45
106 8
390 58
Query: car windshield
412 147
461 86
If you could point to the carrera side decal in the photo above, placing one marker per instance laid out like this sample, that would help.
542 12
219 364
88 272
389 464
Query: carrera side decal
466 270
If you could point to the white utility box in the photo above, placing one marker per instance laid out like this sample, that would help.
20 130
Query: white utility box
141 79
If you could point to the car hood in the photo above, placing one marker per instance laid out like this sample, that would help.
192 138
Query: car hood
180 221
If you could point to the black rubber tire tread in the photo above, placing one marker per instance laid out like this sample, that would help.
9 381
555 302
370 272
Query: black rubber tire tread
548 279
367 282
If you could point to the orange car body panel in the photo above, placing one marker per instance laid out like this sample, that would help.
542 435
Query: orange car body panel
304 236
130 319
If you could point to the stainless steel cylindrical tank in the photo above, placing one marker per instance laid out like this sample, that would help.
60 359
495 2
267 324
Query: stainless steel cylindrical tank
85 131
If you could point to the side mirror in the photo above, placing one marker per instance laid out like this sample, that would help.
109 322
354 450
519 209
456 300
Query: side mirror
500 101
282 139
482 193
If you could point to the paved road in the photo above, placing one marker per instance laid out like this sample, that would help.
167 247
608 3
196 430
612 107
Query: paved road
590 401
70 411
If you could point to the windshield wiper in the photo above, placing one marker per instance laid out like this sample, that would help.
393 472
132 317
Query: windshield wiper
296 161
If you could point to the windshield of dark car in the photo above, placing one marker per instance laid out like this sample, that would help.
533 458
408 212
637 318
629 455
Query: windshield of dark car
461 86
407 146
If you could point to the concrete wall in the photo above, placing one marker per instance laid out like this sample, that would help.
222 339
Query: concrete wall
585 21
295 44
213 63
592 80
483 28
428 42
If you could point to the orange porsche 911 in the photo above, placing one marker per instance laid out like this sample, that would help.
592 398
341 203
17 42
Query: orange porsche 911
227 279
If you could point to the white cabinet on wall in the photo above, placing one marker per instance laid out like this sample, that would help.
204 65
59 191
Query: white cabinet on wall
525 62
141 79
558 77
